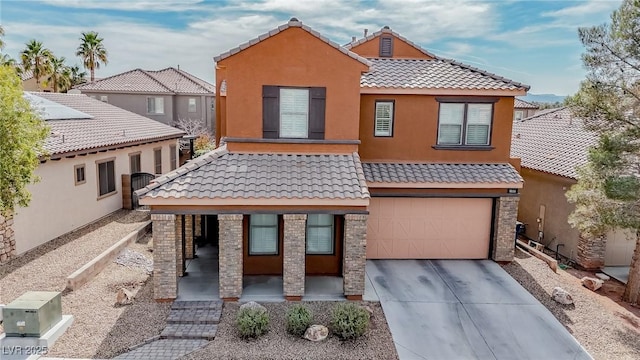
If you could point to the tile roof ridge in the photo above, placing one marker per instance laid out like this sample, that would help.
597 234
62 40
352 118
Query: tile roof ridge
362 180
543 113
147 72
292 23
526 102
84 86
184 169
192 78
484 72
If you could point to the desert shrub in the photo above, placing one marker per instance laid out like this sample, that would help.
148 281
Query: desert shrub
252 322
298 318
349 321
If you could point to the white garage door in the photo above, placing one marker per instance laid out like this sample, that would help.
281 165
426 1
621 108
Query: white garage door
428 228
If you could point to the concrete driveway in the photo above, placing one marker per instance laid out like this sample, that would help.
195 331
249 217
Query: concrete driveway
464 309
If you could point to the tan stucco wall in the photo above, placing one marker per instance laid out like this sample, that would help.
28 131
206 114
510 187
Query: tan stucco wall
31 85
549 190
59 206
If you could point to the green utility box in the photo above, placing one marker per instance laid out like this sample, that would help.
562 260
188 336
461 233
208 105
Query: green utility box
32 314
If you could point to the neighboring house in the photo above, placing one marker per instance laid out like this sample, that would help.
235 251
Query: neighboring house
165 95
551 146
91 145
331 155
29 82
523 109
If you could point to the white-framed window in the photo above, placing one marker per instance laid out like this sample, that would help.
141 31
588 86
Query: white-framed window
104 98
465 124
384 118
263 234
320 232
106 177
155 105
80 174
518 115
294 113
157 160
192 105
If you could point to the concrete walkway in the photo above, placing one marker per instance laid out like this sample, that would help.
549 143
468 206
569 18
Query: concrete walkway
465 309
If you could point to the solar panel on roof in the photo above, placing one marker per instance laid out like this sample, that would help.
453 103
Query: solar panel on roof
51 110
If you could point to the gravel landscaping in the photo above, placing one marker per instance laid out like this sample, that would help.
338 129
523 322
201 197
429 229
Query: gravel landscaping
278 344
605 329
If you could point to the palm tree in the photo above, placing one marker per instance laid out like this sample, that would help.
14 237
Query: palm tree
92 52
6 60
60 76
36 58
77 77
1 36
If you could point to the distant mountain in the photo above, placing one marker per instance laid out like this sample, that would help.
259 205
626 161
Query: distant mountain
542 98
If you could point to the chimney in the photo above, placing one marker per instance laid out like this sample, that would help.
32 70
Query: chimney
366 31
353 39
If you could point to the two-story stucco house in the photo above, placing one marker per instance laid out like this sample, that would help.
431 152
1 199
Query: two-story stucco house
332 155
90 146
166 95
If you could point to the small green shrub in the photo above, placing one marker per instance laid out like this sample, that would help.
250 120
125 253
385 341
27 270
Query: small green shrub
298 318
252 322
349 321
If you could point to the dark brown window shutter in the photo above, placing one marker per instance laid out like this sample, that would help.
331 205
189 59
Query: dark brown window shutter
386 46
270 112
317 103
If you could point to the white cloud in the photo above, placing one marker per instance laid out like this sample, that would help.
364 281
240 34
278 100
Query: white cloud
584 8
128 5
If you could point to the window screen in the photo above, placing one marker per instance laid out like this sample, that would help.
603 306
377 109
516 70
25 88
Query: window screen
106 178
263 234
294 113
320 234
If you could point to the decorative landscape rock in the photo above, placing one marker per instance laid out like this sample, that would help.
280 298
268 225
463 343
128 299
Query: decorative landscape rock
602 276
561 296
316 333
124 297
592 284
252 305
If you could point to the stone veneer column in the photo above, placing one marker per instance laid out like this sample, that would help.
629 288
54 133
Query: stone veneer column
230 256
165 279
188 234
504 228
7 239
591 252
355 255
198 225
295 228
178 231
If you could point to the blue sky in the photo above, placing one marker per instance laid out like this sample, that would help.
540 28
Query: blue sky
534 42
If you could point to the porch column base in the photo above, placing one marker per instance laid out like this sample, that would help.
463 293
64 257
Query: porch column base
165 261
230 256
230 299
355 254
293 298
295 226
354 297
504 236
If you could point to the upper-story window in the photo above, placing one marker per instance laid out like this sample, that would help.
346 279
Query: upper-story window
104 98
293 113
192 105
155 105
386 46
518 115
384 118
465 124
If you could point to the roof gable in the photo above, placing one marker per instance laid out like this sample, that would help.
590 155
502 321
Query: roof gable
521 104
293 23
419 51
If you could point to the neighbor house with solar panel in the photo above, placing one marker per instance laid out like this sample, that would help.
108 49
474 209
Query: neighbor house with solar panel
90 147
330 155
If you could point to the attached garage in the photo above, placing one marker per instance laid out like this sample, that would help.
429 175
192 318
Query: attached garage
429 228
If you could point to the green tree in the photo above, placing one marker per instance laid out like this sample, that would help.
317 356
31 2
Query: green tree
608 192
22 135
92 52
60 76
2 44
6 60
77 76
35 57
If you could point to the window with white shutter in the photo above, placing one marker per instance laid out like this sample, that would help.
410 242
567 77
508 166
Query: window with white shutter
294 113
320 234
465 124
263 234
384 118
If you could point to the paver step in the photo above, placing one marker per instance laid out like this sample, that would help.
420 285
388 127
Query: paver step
189 331
163 350
194 316
179 305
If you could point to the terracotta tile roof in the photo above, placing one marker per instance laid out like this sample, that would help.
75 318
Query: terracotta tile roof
108 126
165 81
224 175
554 141
387 30
521 104
292 23
440 173
432 74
